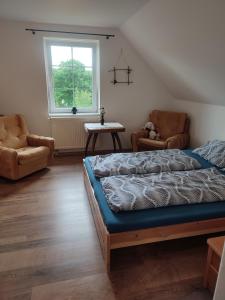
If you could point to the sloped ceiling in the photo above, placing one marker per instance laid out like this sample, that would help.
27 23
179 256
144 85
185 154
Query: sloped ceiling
105 13
184 42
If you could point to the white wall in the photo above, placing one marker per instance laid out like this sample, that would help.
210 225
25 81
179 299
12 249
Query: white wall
207 121
23 84
183 41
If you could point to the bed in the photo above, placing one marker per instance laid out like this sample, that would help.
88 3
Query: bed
118 230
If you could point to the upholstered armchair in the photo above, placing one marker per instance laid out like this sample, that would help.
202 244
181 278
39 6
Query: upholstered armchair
173 128
20 152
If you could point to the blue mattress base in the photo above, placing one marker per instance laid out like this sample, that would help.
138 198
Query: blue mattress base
133 220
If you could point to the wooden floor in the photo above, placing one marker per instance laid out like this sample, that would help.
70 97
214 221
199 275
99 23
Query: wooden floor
49 248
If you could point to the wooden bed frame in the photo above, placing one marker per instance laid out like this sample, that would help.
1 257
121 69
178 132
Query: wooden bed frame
110 241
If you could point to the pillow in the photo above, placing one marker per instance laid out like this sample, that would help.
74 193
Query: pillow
214 152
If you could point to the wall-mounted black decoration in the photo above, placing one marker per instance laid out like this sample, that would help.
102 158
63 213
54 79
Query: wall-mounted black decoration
121 74
74 110
115 70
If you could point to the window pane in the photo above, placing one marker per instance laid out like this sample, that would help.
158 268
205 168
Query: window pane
62 77
73 74
83 55
60 54
82 85
63 98
83 99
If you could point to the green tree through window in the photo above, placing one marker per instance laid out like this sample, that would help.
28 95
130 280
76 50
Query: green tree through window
72 85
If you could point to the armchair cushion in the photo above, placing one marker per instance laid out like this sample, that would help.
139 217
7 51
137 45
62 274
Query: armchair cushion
8 162
20 153
179 141
168 123
28 154
151 144
36 140
135 136
13 132
173 128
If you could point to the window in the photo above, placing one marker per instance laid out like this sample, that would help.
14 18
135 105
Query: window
72 68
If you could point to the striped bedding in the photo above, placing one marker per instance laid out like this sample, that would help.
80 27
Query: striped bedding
143 163
137 192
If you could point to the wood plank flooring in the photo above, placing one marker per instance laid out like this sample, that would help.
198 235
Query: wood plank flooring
49 249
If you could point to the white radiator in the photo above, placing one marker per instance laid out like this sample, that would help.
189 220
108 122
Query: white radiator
69 133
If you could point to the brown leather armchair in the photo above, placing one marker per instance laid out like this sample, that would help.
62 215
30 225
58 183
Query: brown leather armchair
21 153
173 128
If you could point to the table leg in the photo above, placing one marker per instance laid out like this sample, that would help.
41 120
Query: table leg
87 143
114 141
94 142
118 141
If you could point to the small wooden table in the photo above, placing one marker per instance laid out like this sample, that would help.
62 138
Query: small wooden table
215 251
109 127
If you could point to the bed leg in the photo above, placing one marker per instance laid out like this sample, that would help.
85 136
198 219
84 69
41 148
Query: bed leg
107 262
107 253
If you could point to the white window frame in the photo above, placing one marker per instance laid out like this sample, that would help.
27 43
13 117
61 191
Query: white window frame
94 44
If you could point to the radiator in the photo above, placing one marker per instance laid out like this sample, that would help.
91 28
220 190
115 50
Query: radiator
69 133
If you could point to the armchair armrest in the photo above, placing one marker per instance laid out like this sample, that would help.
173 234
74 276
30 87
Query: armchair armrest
178 141
36 141
135 136
8 162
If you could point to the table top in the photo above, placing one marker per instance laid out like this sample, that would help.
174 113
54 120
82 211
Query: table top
217 244
107 127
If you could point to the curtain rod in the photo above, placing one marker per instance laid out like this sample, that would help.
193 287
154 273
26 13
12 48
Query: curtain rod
33 30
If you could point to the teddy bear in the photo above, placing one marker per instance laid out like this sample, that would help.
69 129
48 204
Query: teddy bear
153 135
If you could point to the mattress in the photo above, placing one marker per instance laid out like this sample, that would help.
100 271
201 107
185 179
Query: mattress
133 220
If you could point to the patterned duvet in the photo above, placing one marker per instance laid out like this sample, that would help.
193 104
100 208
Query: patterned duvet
135 192
143 163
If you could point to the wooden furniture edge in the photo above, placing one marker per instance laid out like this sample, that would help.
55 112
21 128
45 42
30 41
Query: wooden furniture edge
109 241
207 268
164 233
103 234
105 130
217 244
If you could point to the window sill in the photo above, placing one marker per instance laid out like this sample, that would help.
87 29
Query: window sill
71 116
